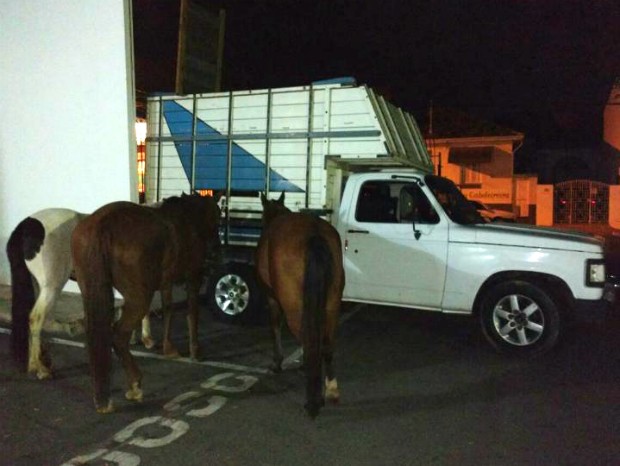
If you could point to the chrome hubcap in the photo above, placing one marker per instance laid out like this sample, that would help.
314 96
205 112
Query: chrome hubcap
232 294
518 320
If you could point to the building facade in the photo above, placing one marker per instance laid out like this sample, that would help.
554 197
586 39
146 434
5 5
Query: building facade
479 157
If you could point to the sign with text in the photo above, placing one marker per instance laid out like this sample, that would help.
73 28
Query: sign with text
489 196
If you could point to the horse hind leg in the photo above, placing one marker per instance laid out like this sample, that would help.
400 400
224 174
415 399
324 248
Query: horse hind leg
169 350
332 393
123 329
275 312
331 384
193 288
147 336
39 362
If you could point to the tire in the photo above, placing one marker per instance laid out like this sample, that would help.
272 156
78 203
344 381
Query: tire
520 318
234 296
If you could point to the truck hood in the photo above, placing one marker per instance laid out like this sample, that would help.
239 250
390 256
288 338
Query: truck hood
534 237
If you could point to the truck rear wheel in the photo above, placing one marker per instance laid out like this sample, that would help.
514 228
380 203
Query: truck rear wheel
234 295
520 318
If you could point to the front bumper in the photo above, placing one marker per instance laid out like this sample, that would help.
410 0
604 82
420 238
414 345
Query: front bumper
597 310
611 291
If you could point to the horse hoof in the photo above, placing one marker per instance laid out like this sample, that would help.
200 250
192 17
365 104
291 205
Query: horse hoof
169 351
148 342
109 408
332 393
195 353
40 372
134 393
44 374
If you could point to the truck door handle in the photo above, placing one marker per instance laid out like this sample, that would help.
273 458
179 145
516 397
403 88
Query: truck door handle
358 231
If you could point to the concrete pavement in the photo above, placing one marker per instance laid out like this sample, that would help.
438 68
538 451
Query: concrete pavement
67 316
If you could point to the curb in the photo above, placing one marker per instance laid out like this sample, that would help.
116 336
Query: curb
67 316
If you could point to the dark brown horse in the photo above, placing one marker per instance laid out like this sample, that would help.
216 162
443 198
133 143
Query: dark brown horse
299 263
139 250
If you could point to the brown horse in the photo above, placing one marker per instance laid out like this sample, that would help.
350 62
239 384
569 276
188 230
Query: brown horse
139 250
299 263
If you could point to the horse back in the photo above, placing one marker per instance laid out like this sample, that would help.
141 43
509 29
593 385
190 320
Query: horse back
194 223
136 241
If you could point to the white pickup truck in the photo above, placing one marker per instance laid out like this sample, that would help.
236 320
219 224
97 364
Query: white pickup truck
413 240
410 238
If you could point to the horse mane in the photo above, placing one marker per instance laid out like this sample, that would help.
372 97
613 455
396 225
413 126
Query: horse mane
186 198
178 203
173 200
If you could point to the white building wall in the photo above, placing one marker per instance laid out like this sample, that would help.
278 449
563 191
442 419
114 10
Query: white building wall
67 108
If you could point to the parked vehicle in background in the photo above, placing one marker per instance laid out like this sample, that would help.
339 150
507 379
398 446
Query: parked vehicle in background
410 238
493 215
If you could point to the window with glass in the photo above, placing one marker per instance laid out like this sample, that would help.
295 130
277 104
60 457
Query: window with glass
470 174
394 202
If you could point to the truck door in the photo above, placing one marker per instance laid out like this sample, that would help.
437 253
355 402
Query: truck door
384 261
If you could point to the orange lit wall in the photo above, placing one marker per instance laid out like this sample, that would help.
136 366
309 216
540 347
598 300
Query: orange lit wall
611 126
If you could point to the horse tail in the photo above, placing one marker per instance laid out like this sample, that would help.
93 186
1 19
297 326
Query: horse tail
24 244
96 286
317 278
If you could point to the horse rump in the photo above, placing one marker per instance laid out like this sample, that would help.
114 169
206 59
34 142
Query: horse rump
24 244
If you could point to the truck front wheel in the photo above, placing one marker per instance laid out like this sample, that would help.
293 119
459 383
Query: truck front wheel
234 295
520 318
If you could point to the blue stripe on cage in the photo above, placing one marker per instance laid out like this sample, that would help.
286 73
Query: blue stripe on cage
248 173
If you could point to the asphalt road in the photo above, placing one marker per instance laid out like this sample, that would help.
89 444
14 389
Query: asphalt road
416 389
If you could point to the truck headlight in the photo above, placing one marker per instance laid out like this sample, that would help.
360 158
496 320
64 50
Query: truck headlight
595 272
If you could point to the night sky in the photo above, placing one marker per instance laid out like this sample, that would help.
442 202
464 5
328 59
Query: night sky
542 67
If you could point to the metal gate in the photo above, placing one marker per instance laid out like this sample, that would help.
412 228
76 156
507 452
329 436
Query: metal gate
581 201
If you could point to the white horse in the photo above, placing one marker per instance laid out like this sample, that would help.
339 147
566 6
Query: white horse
39 252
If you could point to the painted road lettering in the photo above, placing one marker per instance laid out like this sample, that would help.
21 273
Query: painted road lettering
215 403
214 383
118 457
178 428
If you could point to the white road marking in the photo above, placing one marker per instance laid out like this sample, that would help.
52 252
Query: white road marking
292 360
118 457
177 428
143 354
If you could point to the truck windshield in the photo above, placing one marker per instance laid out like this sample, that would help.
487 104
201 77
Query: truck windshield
458 208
